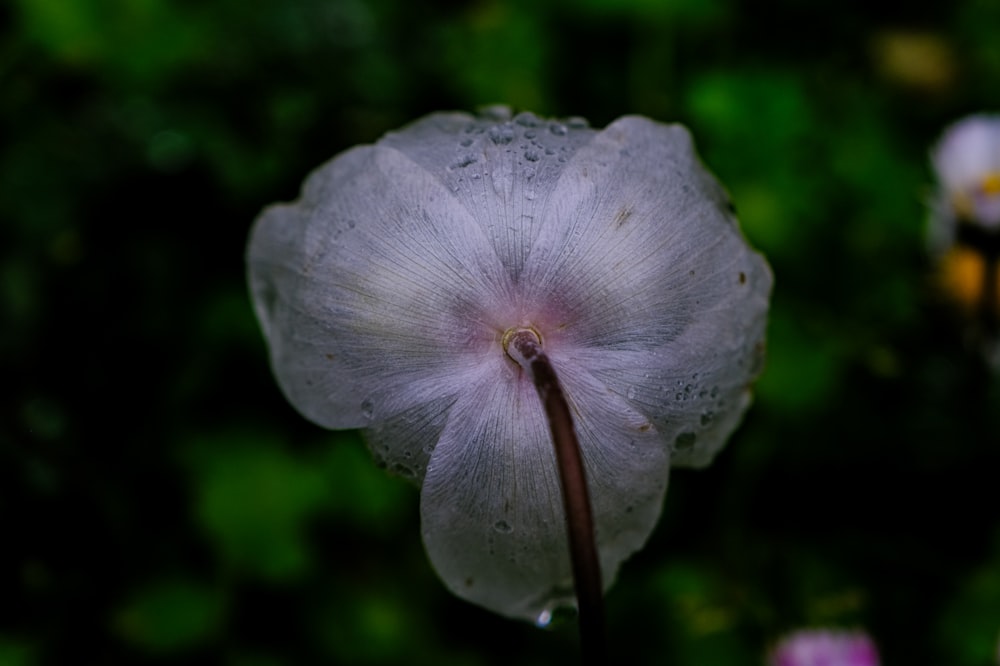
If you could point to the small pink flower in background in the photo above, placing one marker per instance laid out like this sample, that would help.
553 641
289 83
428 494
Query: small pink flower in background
825 647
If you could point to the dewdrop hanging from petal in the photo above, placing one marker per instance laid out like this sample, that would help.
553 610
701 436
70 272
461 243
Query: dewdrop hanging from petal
393 292
964 229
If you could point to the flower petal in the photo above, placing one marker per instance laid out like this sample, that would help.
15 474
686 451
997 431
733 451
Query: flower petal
500 169
491 507
404 442
966 160
968 150
371 289
660 295
384 292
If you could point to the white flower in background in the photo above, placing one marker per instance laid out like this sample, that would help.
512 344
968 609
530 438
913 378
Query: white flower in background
388 291
823 647
966 161
964 226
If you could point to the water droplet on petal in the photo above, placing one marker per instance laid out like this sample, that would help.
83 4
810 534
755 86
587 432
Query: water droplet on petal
503 526
464 161
527 119
501 134
685 441
367 409
631 393
496 112
404 471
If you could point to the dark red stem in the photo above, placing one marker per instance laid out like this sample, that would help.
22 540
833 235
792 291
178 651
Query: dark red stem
575 495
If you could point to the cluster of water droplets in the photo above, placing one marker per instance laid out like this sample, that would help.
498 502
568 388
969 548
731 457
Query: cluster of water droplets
389 442
686 393
526 138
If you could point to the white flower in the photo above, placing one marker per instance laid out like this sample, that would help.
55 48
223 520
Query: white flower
964 228
966 161
386 290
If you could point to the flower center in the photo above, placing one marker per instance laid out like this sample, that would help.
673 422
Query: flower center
522 344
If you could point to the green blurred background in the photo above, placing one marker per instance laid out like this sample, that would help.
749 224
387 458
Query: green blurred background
161 503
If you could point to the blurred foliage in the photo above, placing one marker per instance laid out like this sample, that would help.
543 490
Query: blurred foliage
161 503
169 616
